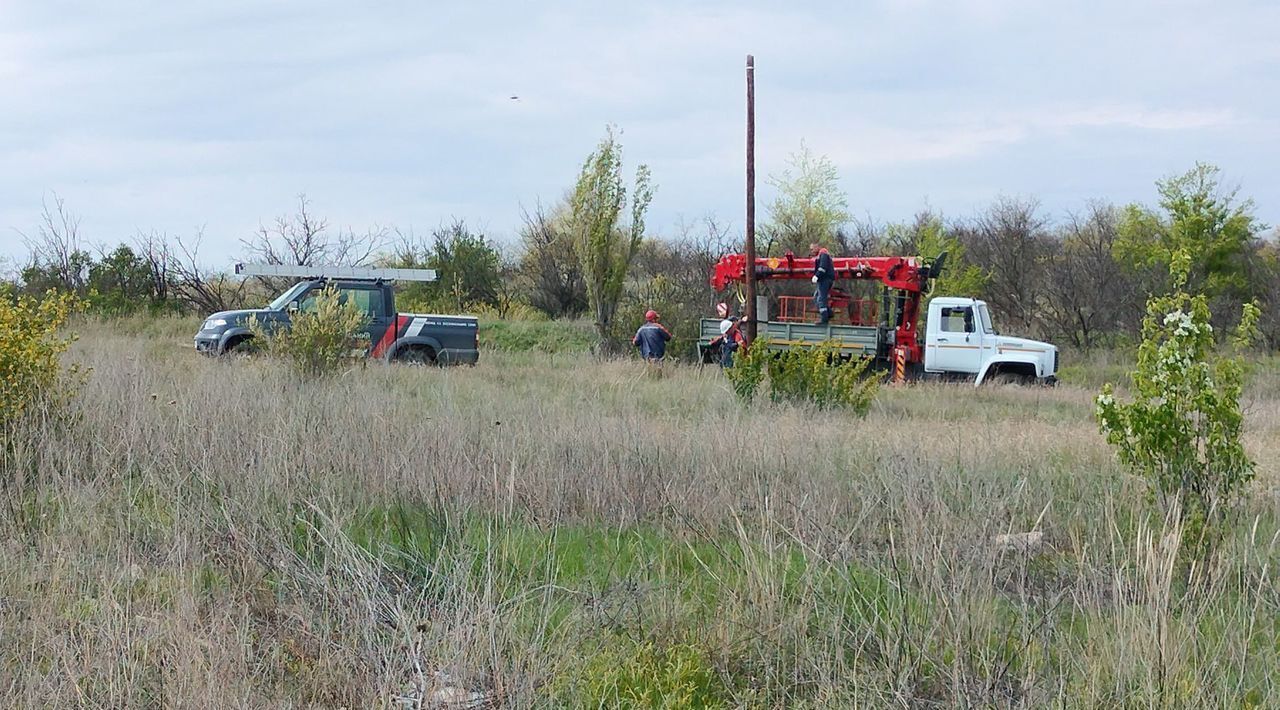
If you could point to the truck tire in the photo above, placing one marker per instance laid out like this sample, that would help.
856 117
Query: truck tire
1014 379
416 355
241 346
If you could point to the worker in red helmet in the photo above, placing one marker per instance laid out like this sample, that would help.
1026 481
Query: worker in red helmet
652 338
824 274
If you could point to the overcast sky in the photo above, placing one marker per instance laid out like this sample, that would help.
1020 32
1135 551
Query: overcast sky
185 115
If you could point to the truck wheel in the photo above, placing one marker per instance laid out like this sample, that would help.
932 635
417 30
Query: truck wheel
416 355
1005 379
242 346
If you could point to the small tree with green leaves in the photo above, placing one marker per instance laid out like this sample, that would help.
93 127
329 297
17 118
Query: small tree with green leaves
1210 225
605 248
318 341
927 236
817 376
748 371
810 206
1182 431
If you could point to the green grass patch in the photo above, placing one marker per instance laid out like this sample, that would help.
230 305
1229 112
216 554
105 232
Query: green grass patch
554 336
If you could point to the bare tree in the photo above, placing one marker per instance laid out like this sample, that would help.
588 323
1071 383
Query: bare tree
304 239
863 237
549 266
1008 241
1088 295
58 258
156 253
198 287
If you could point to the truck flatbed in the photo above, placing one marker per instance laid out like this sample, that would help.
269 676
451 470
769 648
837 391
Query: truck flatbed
854 340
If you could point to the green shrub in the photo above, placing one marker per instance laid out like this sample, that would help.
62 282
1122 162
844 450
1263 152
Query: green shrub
747 373
318 341
817 375
647 676
31 370
1182 431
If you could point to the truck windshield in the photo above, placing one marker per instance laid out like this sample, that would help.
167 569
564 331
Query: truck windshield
283 299
985 317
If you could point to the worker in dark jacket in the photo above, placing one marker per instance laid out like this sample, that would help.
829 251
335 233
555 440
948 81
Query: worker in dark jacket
824 274
652 338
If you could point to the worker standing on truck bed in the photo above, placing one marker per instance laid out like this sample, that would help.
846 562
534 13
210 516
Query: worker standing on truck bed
652 338
824 274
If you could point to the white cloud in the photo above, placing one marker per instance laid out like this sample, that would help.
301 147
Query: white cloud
189 113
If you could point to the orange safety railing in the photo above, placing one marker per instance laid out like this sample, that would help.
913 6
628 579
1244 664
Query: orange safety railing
801 309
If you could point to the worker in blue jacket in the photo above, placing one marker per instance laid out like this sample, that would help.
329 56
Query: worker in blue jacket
652 338
824 274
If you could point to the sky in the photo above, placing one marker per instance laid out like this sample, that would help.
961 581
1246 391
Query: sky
212 117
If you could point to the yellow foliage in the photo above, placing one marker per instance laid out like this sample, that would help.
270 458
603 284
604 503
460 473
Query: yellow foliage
31 354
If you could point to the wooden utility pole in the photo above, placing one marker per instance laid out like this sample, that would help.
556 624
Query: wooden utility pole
751 199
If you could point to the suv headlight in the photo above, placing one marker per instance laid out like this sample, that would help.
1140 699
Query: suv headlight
214 323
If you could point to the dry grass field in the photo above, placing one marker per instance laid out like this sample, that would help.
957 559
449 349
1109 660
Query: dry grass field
552 531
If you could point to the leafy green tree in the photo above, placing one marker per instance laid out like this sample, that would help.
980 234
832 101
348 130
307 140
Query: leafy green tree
810 207
1183 430
928 237
1211 226
468 267
69 275
604 246
120 282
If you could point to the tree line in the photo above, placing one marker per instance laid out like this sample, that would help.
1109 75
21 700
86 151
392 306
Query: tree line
1080 280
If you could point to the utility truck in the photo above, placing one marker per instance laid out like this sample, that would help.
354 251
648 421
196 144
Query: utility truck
422 338
960 341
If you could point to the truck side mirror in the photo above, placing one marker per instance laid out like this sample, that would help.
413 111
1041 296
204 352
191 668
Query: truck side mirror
292 307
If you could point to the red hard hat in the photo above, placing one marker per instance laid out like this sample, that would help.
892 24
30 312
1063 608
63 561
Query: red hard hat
651 315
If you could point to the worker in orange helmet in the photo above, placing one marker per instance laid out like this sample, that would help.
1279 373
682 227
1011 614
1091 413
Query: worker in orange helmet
824 274
652 338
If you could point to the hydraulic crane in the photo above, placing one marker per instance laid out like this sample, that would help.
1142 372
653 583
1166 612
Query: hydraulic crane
905 278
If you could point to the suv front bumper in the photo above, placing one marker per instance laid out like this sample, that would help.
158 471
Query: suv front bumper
207 345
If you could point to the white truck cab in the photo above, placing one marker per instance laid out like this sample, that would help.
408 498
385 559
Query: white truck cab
962 343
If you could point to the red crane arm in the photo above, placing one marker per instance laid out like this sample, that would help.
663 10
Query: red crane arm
904 273
907 274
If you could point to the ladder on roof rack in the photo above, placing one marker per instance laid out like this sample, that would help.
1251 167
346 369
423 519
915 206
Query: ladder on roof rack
336 272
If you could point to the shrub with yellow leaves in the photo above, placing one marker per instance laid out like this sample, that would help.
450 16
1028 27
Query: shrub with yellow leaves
31 369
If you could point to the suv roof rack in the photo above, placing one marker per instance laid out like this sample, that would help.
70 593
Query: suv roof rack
336 272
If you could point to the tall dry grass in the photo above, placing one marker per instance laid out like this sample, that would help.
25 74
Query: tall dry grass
209 533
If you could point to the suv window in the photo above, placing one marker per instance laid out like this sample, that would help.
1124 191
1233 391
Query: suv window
957 320
366 300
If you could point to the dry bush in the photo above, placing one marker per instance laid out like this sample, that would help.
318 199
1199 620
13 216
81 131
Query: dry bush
210 533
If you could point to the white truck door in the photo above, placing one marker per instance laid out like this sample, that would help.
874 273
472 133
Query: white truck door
956 342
